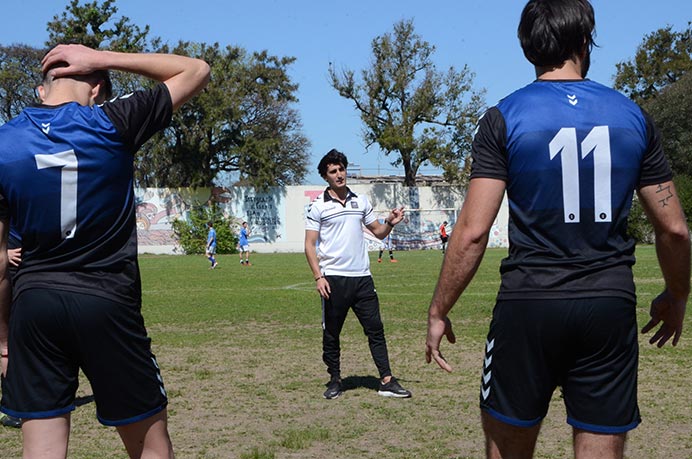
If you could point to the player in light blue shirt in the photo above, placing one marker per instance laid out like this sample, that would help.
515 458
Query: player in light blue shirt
211 245
243 244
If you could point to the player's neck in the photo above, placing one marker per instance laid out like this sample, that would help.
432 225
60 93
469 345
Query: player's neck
340 193
63 92
569 70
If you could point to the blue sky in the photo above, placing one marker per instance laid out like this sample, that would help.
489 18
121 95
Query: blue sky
478 33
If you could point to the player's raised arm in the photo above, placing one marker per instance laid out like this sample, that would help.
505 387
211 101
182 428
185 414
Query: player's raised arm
184 76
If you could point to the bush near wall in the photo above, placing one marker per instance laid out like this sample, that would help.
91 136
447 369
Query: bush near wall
191 234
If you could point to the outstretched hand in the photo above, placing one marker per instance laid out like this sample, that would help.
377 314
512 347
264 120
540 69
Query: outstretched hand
666 309
437 328
80 60
396 215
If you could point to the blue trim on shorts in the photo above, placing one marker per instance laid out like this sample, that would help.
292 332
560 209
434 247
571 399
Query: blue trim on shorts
512 421
133 419
602 429
38 414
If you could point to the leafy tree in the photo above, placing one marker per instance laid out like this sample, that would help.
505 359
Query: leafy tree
243 122
94 25
410 108
672 112
191 233
20 73
662 58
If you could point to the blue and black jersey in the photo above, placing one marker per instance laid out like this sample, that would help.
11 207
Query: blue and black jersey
66 175
571 153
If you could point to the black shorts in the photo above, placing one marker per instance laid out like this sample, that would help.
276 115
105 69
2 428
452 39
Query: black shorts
444 239
587 346
54 333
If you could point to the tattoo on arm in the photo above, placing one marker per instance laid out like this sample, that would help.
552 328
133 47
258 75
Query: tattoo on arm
665 197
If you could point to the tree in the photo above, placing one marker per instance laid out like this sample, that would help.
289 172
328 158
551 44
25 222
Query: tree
662 58
410 108
94 25
20 73
242 122
671 110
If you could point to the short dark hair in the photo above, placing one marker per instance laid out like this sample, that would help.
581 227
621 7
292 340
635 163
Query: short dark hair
333 156
553 31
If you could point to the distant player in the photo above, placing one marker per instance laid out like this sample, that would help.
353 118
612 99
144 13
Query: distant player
211 245
443 235
387 245
244 244
66 181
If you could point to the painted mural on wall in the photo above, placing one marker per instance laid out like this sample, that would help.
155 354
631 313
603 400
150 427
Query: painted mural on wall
263 211
156 209
277 217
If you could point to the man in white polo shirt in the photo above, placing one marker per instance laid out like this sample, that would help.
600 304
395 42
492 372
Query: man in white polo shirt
336 252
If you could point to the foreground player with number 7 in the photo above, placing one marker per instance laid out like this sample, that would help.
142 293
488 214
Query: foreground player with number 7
570 153
66 178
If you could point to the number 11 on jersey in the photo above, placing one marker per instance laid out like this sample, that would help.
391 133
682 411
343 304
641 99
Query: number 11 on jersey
566 146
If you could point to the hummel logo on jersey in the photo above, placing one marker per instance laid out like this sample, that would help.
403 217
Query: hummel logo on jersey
354 205
572 99
45 127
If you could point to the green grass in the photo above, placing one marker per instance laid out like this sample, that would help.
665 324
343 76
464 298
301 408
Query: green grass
240 351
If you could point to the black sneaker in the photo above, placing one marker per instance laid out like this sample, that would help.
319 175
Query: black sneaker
334 389
10 421
393 389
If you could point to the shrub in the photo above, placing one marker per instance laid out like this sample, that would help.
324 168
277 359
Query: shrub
192 233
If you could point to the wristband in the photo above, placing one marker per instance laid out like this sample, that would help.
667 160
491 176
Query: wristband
318 278
389 223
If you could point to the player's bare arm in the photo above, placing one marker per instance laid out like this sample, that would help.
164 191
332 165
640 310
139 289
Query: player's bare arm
185 77
381 230
321 283
5 294
464 254
663 208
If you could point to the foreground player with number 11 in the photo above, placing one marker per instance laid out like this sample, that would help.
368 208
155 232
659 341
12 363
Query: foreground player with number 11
570 153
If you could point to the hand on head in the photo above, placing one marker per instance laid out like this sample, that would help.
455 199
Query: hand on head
65 60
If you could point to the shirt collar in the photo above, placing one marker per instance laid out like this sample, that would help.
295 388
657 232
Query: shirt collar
349 195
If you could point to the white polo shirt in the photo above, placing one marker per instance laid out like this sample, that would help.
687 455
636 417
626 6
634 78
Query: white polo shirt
341 246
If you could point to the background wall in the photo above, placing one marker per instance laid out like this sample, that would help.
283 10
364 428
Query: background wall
276 216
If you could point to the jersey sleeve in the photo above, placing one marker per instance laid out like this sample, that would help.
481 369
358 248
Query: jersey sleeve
489 150
312 217
140 115
655 167
368 213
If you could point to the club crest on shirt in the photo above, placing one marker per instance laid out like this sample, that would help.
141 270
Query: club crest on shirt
354 204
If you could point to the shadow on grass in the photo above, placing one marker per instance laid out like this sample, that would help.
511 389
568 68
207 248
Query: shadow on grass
355 382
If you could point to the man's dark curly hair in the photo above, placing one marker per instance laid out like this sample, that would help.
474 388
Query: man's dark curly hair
334 156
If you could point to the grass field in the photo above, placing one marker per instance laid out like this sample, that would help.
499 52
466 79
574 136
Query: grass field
240 351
